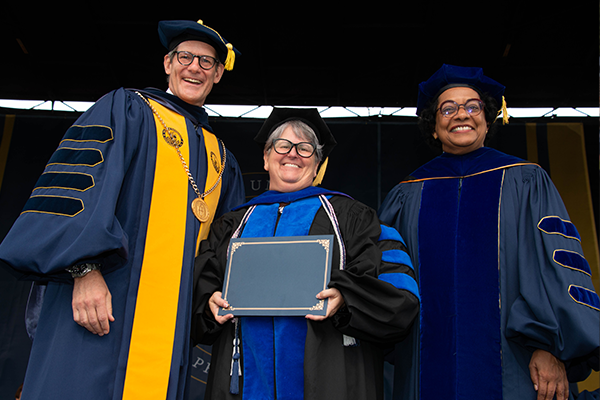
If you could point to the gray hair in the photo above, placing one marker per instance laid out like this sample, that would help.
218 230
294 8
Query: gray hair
302 130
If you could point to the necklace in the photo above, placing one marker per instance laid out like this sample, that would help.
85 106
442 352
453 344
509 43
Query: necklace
174 139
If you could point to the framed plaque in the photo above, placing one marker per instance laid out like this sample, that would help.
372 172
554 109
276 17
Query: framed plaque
277 276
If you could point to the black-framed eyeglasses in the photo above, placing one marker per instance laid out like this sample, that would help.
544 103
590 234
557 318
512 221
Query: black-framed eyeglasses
449 108
284 146
206 62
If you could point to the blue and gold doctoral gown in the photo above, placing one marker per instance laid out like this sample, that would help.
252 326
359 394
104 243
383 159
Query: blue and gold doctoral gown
292 357
116 193
501 273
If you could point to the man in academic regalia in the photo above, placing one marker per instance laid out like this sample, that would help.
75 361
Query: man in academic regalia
112 227
508 309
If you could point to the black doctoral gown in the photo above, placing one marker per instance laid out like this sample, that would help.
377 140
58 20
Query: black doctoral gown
378 286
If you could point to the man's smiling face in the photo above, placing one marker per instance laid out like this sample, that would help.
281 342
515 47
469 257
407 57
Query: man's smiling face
191 83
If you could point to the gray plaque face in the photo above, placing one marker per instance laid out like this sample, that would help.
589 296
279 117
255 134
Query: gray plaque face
277 276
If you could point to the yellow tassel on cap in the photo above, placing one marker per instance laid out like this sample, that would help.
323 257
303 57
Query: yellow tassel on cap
319 178
505 115
504 112
230 60
230 57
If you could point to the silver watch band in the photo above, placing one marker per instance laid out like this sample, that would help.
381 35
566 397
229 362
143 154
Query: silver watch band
81 270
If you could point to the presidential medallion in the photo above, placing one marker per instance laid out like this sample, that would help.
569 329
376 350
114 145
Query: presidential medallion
200 209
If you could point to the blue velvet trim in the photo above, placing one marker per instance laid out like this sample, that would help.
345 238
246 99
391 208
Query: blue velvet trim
438 314
479 326
67 206
85 157
585 296
402 281
257 342
273 347
95 133
556 226
262 222
388 233
458 272
290 336
397 257
297 217
272 196
572 260
478 161
65 180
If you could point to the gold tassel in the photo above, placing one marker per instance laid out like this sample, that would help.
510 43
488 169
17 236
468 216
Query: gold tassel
230 57
504 112
230 60
505 115
319 178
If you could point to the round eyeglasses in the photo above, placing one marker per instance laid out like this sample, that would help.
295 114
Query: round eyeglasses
284 146
449 108
205 62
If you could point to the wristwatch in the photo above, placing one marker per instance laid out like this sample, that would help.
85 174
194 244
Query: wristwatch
81 270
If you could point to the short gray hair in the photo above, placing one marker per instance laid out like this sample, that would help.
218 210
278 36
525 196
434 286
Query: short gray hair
302 130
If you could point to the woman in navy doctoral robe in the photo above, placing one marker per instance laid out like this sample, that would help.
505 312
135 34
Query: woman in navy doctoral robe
508 307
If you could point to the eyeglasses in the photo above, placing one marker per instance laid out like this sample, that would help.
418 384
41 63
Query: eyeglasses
186 58
449 108
284 146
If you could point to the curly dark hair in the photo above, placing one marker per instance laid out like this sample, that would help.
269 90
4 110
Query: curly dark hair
427 119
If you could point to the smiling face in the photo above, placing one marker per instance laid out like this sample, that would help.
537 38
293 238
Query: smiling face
289 172
461 133
191 83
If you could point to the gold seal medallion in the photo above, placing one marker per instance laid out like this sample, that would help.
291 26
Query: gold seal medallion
200 209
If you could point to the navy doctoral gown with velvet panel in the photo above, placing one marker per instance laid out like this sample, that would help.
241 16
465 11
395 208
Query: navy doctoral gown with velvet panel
501 273
378 286
104 218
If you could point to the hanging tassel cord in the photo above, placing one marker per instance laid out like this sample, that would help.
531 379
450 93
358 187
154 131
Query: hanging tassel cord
234 385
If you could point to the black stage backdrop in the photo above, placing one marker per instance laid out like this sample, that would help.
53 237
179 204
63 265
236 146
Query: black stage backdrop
371 157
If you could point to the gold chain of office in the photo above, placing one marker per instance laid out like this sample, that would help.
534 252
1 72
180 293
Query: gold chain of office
174 139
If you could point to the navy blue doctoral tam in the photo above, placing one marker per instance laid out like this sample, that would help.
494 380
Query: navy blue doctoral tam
172 33
449 76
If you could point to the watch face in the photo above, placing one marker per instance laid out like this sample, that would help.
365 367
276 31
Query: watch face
80 270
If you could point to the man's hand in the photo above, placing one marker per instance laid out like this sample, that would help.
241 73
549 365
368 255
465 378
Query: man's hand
549 376
92 303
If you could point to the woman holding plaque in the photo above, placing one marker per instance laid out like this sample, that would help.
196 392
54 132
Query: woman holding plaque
372 297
